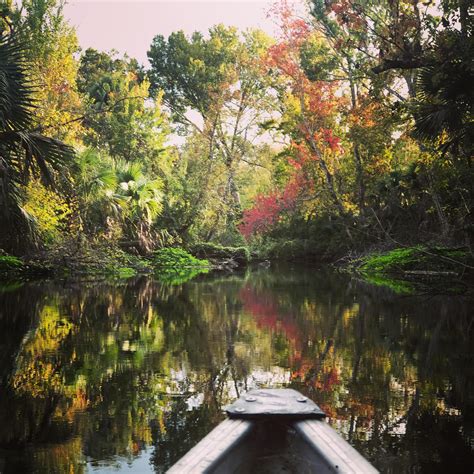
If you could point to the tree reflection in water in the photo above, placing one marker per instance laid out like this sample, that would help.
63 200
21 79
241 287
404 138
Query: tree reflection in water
95 373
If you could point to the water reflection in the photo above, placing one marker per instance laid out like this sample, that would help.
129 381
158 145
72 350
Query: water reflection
98 376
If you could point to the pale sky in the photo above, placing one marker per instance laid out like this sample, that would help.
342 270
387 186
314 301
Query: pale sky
129 26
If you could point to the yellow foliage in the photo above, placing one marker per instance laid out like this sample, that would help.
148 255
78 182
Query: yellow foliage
49 210
36 374
58 98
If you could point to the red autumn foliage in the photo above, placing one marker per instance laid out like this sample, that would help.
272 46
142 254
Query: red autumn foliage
318 98
347 14
269 209
268 315
318 104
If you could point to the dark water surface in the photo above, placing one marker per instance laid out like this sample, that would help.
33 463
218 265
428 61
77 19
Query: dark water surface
126 377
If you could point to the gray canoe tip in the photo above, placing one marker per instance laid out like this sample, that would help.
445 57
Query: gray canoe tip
284 403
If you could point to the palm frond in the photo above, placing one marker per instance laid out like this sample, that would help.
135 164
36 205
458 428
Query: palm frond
23 150
16 89
444 103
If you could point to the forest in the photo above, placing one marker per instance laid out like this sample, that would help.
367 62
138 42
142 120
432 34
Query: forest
349 131
242 210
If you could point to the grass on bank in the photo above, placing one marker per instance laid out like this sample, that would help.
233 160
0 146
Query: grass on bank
406 270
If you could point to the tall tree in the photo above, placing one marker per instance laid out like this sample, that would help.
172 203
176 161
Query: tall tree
51 45
216 79
121 119
309 107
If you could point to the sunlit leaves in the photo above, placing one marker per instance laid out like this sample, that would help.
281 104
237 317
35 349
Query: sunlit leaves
23 149
50 47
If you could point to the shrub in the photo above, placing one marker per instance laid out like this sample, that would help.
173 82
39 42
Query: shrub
10 264
173 257
218 252
391 261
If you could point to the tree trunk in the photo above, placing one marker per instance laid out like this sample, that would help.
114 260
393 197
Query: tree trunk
357 154
233 191
439 209
464 16
328 175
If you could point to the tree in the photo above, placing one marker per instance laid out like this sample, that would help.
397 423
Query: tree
122 120
428 45
444 105
117 199
347 55
23 150
218 79
308 111
310 105
379 36
95 182
141 199
50 45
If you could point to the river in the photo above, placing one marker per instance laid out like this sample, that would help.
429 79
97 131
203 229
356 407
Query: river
126 376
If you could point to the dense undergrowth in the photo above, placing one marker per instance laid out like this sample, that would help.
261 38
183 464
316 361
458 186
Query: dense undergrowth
169 265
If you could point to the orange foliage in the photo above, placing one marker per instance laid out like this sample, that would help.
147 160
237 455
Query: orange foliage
317 103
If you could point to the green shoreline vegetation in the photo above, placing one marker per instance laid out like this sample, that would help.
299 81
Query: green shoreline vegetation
303 146
410 270
405 271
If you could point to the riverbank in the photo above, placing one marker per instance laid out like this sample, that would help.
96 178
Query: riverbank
418 269
171 265
405 270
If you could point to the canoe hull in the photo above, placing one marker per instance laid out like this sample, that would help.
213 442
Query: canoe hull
272 431
244 446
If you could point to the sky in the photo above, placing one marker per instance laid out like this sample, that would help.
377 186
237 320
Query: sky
129 26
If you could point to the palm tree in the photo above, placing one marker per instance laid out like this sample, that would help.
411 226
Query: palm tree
95 183
23 149
444 104
142 200
117 191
